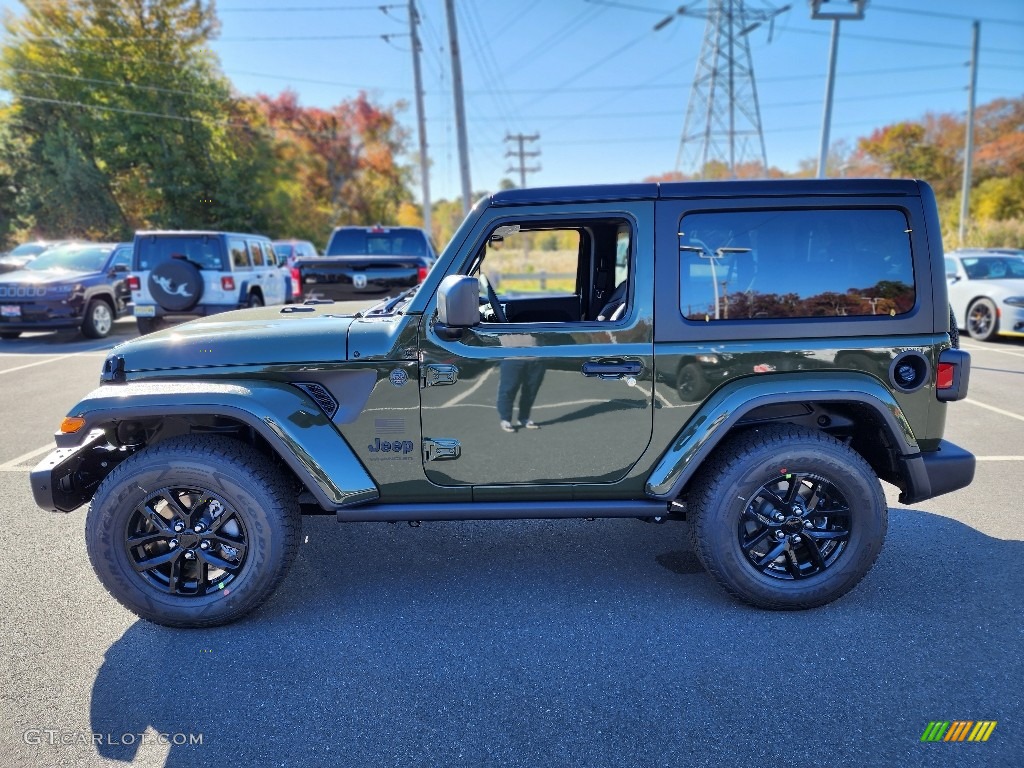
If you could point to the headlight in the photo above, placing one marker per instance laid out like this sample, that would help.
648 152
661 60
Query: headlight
1015 301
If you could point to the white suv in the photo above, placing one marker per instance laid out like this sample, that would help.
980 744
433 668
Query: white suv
202 273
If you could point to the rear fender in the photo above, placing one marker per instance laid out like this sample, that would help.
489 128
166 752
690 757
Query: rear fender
726 407
285 416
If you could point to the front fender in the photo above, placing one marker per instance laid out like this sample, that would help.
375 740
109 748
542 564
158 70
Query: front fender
285 416
729 404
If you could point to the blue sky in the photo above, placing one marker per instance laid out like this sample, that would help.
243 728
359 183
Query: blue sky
606 92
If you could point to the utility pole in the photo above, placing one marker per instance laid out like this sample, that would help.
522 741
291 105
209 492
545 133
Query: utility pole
414 20
522 154
965 193
723 119
460 109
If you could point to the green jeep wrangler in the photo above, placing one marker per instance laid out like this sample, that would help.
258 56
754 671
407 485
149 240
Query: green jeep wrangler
751 357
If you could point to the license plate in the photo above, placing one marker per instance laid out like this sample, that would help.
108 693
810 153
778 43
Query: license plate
145 311
10 310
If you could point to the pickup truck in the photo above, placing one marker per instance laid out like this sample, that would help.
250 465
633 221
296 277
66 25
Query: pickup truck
367 262
814 311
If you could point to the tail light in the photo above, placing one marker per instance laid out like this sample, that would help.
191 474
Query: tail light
952 375
134 284
227 283
421 274
296 283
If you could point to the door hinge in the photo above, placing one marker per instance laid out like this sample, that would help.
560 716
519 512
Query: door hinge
438 375
441 449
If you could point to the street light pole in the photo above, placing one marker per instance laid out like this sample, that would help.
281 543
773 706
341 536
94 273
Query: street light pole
834 10
830 83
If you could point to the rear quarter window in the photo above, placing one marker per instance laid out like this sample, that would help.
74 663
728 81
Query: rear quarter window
741 265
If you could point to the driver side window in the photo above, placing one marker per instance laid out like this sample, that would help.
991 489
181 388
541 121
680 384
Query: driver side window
554 271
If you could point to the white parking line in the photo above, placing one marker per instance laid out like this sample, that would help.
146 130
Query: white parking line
8 466
999 458
54 359
973 348
1000 411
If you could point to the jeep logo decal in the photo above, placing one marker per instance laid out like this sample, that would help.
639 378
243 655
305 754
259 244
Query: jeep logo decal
390 446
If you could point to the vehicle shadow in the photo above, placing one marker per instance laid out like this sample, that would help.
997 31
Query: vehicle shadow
68 340
580 644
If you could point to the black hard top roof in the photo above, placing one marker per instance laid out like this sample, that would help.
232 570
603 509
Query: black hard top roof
697 189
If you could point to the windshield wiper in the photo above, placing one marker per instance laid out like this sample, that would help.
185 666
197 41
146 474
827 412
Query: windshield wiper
387 305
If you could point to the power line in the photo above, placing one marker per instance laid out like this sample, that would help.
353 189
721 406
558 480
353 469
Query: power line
311 9
939 15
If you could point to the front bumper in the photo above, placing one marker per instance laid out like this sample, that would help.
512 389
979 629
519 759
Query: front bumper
937 472
41 316
67 478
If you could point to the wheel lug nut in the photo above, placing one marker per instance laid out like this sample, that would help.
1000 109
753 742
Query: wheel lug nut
780 535
179 527
797 539
204 545
808 523
173 544
190 555
198 528
777 517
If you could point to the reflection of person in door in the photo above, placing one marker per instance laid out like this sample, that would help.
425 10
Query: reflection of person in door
523 377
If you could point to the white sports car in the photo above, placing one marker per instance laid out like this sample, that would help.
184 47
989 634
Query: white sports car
986 291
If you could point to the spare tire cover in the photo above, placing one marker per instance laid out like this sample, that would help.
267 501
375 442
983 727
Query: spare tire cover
176 285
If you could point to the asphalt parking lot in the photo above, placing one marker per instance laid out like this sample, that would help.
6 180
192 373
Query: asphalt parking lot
532 643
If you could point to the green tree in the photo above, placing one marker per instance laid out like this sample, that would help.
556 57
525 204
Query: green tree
125 116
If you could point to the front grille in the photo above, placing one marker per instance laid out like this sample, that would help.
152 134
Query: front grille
322 397
21 291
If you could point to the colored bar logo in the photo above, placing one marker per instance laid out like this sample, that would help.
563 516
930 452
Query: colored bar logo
959 730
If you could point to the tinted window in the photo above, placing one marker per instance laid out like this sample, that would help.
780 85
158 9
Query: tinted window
794 263
257 254
362 242
271 256
204 251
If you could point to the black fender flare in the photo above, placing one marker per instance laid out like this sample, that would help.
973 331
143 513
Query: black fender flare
285 416
727 406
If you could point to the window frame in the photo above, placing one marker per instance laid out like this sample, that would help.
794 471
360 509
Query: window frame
669 325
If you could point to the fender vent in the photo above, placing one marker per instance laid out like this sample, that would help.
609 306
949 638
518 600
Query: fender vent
321 396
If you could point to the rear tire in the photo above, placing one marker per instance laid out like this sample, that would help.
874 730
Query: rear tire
254 301
148 324
194 531
785 517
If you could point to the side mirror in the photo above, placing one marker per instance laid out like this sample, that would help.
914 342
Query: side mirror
119 269
458 306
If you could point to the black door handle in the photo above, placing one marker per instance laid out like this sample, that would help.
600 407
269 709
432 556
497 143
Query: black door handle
611 369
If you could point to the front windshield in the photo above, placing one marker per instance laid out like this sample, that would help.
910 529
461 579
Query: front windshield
994 268
283 250
74 258
28 249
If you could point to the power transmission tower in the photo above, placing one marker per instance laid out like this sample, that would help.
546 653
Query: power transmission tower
520 139
723 119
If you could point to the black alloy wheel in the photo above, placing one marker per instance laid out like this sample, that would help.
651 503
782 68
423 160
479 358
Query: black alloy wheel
186 541
795 526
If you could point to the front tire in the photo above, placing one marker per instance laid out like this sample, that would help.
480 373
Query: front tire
786 517
194 531
98 320
983 320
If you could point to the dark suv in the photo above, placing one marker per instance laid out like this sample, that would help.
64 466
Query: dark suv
191 274
815 310
69 286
